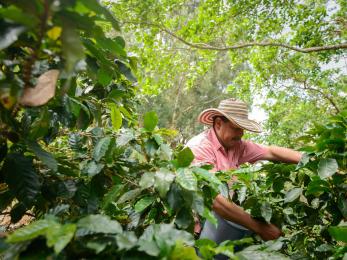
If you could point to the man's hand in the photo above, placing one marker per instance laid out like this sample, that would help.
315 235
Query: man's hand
230 211
268 231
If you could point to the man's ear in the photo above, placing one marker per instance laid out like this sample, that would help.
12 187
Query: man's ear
218 123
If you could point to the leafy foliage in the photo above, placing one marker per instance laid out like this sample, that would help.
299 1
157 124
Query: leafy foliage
307 202
98 185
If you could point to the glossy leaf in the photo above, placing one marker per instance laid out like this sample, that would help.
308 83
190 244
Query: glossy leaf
266 211
129 196
10 36
126 240
18 16
317 186
31 231
101 148
111 195
46 157
150 121
97 8
185 157
292 195
92 168
208 176
147 180
93 224
163 180
21 177
339 233
327 167
143 203
116 117
59 236
186 179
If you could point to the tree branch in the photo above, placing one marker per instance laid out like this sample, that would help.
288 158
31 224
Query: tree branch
205 46
332 102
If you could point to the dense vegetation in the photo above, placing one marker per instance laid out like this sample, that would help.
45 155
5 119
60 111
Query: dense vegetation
100 182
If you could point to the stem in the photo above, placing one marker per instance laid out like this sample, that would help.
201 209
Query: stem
42 29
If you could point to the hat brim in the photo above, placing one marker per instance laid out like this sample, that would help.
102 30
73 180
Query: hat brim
206 117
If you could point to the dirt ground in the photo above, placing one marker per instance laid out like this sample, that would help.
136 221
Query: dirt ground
7 226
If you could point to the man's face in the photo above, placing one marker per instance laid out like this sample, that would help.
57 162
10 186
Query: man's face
228 134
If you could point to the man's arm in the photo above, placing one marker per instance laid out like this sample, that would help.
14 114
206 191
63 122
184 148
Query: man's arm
281 154
230 211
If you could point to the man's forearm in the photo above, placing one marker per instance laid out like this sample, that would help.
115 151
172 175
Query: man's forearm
230 211
282 154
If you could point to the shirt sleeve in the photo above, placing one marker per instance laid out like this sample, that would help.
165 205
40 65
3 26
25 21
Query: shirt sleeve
252 152
203 155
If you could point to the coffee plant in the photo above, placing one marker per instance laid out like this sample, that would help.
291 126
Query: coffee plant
97 182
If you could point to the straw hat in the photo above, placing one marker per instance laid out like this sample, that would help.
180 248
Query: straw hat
234 110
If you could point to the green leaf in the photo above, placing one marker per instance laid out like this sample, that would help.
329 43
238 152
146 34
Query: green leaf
210 177
184 218
147 180
339 233
327 167
101 148
10 35
30 231
182 252
163 180
342 205
210 217
130 195
73 50
39 127
248 254
104 76
97 245
186 179
266 211
125 137
317 186
150 121
165 152
116 116
144 203
92 168
185 157
46 157
147 242
127 240
21 177
17 15
111 195
97 224
110 45
95 6
59 236
292 195
198 203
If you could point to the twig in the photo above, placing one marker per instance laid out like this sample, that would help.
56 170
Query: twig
35 52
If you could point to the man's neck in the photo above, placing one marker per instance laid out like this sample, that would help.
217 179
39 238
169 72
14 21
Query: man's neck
220 142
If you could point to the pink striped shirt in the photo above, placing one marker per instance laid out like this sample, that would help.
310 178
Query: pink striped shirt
208 150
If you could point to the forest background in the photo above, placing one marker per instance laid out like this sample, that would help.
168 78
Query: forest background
194 54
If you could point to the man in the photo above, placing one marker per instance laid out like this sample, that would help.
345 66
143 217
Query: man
221 146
